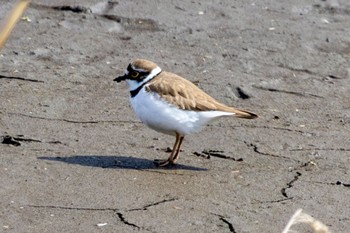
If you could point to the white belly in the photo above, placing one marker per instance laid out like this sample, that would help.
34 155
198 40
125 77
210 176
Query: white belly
166 118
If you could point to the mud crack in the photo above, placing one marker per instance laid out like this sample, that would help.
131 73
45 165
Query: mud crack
276 201
229 224
71 208
10 141
338 183
119 214
242 94
70 120
307 71
321 149
274 128
75 9
153 204
256 150
16 141
123 220
290 185
286 92
134 23
215 153
342 184
20 78
128 23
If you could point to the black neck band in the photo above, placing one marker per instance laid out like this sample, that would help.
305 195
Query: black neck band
133 93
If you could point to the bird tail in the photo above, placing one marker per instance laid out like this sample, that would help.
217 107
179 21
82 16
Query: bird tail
244 114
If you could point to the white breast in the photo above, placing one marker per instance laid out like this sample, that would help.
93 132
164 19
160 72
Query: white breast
166 118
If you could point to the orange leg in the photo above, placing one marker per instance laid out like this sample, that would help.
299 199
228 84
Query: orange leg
174 154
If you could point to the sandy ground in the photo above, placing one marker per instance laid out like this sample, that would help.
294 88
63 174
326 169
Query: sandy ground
74 157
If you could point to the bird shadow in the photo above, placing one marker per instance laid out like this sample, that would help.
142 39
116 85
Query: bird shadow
116 162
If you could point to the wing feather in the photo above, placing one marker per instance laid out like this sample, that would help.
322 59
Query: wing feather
187 96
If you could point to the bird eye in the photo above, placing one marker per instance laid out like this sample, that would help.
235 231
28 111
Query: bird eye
135 74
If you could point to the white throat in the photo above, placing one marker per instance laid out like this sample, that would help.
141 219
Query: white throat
133 85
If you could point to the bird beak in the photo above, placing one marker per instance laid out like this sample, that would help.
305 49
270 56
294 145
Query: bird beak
120 78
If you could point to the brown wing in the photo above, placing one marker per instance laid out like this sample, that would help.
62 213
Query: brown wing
183 93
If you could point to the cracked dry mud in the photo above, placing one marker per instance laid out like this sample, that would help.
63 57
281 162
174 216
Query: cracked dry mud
74 158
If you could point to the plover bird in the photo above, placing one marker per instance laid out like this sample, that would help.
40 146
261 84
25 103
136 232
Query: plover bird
171 104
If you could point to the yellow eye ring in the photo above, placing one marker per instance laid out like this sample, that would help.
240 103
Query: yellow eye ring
135 74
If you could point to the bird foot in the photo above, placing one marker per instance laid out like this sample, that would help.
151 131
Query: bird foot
163 163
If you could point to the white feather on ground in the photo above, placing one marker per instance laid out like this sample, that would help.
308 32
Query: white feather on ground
300 217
